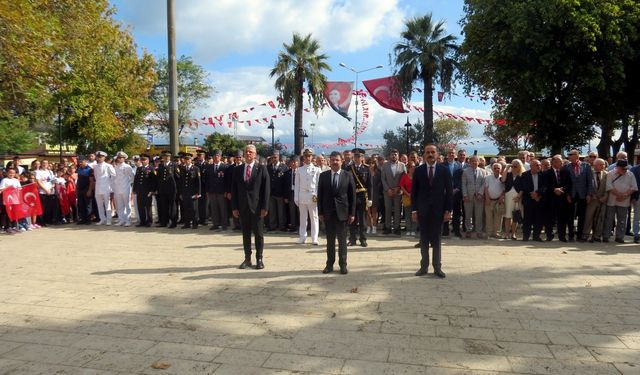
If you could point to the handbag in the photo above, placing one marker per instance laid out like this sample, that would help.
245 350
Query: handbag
516 214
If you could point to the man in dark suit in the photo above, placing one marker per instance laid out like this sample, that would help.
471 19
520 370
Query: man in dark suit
189 187
558 183
277 170
249 202
215 174
336 208
143 186
431 202
580 194
532 187
201 163
166 191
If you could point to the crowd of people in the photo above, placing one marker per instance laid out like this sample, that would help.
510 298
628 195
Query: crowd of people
538 199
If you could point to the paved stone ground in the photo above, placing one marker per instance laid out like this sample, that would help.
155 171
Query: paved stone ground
98 300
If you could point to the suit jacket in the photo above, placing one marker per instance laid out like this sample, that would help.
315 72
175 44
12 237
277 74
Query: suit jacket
215 178
600 190
389 181
166 179
188 180
473 185
252 195
435 197
277 180
552 182
581 183
525 184
341 201
144 181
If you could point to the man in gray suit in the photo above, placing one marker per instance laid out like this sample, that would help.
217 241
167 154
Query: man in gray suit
581 191
473 197
392 170
597 206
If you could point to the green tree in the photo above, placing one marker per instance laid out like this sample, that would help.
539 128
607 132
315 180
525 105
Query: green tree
558 66
426 54
193 90
298 63
446 132
226 143
15 136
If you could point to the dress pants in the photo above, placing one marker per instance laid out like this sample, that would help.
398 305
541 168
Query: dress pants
474 215
252 223
143 201
123 207
430 235
167 211
294 213
84 206
557 211
578 208
308 210
104 207
276 213
458 213
218 210
594 219
359 226
392 207
620 216
336 229
533 218
202 209
493 214
189 210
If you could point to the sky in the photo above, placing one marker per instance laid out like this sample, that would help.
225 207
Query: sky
237 43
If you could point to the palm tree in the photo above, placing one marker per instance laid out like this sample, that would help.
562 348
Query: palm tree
425 54
298 63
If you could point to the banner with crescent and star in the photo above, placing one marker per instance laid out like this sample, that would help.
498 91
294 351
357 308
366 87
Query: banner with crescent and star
22 202
385 92
338 96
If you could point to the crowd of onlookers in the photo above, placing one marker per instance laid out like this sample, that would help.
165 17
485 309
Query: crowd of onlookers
532 198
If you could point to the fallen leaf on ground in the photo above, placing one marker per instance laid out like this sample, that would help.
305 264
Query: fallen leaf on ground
160 365
564 252
354 290
588 284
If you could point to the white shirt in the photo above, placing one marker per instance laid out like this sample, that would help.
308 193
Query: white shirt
46 179
103 173
394 168
625 183
121 182
494 186
7 182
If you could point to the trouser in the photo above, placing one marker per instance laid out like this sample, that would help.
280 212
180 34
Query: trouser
408 220
252 223
189 210
620 216
493 214
577 207
84 206
276 213
202 209
533 218
48 202
123 206
104 207
294 213
594 219
557 216
336 229
636 218
218 210
458 213
143 202
359 226
430 233
308 211
392 208
474 212
167 208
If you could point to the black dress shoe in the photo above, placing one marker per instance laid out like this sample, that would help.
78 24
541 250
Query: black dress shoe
186 226
259 264
213 227
421 272
397 232
440 274
172 226
605 240
327 269
141 225
344 270
619 240
195 226
563 240
161 225
417 246
537 239
351 243
246 264
549 238
386 231
363 243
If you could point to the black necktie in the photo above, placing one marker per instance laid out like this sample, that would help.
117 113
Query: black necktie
335 180
430 173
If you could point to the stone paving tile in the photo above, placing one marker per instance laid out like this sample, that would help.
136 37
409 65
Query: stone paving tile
604 341
449 359
354 367
41 353
295 362
114 344
553 367
184 351
243 357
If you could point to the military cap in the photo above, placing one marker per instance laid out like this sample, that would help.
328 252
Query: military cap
239 153
622 163
121 154
166 153
358 151
101 153
144 156
216 152
307 151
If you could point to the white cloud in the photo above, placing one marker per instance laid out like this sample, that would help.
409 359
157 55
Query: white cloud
247 87
224 27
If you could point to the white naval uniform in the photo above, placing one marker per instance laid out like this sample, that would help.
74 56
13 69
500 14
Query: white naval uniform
121 185
103 173
306 188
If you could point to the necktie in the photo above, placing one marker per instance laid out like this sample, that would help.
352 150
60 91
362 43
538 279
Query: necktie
558 176
335 180
597 181
430 173
576 168
247 175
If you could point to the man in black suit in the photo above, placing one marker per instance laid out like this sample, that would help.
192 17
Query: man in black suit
249 202
143 187
336 208
215 174
277 171
559 186
166 191
532 188
431 202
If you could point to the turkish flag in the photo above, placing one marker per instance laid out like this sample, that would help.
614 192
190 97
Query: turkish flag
385 92
338 95
22 202
65 207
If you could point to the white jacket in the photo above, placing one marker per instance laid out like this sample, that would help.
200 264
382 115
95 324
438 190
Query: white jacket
306 184
121 183
103 172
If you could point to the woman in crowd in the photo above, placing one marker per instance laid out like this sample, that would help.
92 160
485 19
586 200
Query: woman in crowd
376 188
406 181
510 177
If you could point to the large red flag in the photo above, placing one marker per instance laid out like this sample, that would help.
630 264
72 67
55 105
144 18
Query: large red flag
65 207
338 95
22 202
385 92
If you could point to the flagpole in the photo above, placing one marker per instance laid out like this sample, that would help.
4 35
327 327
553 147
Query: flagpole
355 129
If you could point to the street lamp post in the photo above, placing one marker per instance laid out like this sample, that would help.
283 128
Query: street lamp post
312 125
408 126
355 128
273 143
60 129
304 135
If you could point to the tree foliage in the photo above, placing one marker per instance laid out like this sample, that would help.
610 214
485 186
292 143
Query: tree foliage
558 65
193 90
226 143
15 136
426 54
300 62
446 132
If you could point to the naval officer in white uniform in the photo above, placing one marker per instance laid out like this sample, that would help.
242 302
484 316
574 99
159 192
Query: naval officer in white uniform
306 196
